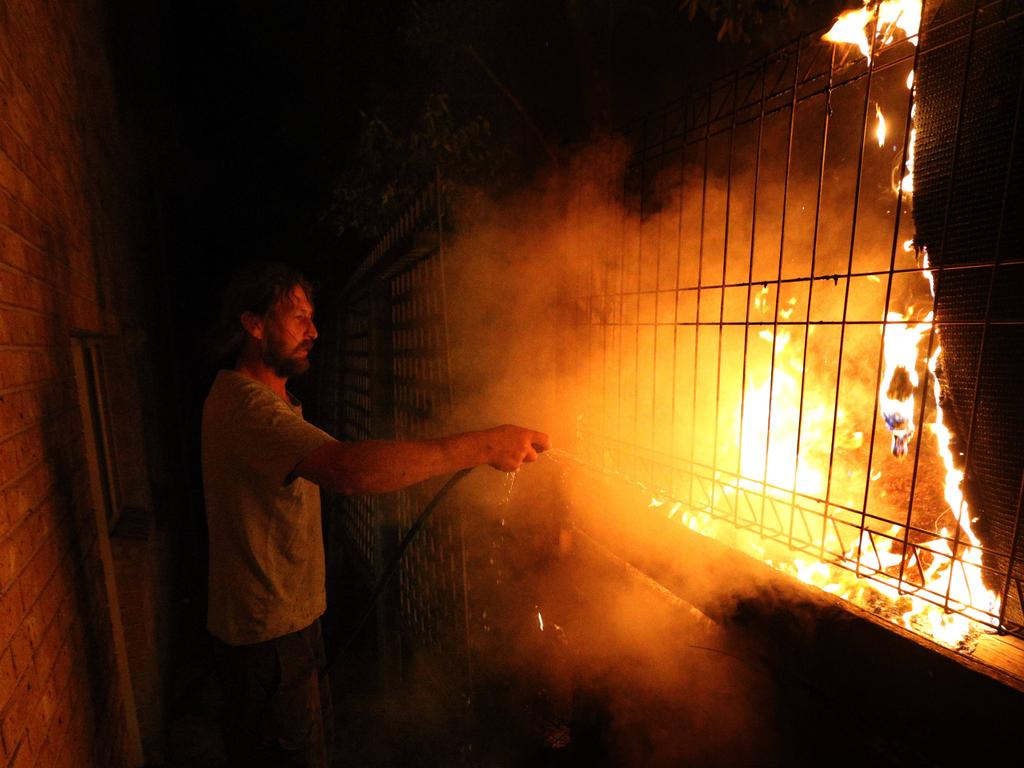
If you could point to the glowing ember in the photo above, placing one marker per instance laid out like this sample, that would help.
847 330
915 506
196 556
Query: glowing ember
907 184
879 126
540 621
761 299
780 340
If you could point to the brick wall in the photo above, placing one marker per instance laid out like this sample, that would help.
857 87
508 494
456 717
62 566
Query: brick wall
63 208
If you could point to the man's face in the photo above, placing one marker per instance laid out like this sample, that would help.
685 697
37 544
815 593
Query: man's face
289 333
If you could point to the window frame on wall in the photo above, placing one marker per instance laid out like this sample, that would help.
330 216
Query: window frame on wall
100 445
94 403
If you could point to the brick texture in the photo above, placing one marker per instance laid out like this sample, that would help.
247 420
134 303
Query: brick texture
60 703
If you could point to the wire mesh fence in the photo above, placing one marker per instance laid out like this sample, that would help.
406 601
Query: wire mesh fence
394 383
805 330
783 339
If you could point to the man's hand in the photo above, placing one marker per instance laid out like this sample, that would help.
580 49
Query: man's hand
508 447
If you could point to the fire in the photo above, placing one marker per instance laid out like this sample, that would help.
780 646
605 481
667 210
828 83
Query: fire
807 459
761 299
903 15
966 589
877 22
907 184
922 577
885 19
949 565
900 380
787 313
850 28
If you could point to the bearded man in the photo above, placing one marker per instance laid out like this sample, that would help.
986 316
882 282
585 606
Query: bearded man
263 466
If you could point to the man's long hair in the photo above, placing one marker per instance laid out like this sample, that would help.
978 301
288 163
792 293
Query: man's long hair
254 288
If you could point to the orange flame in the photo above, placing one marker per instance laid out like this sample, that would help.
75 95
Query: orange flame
900 380
806 441
886 18
948 567
850 28
956 575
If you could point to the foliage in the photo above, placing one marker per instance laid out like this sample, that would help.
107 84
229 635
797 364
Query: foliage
739 20
404 136
390 166
491 68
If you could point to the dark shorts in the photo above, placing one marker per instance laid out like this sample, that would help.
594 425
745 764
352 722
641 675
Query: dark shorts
278 701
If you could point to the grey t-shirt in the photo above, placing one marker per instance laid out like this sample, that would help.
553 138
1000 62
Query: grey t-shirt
266 545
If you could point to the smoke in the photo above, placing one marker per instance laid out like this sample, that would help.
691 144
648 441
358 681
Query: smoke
579 656
685 330
514 272
573 653
690 306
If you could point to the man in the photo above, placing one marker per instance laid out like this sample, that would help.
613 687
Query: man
262 465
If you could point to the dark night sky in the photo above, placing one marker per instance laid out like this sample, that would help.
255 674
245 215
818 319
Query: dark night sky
246 112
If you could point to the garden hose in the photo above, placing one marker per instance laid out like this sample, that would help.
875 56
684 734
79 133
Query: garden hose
392 565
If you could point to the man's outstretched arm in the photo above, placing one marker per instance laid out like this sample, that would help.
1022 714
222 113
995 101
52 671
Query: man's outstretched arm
378 466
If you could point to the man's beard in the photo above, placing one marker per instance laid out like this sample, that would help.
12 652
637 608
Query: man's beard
282 364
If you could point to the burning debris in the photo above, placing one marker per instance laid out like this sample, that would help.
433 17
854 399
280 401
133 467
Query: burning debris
900 381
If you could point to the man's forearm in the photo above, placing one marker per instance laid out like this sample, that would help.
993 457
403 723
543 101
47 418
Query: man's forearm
378 466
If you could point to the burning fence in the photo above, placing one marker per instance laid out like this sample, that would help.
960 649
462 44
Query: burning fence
799 337
797 351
